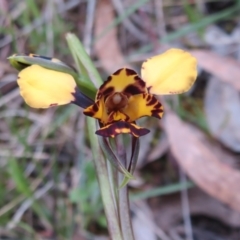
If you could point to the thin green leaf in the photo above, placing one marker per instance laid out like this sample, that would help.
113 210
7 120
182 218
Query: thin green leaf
162 191
76 46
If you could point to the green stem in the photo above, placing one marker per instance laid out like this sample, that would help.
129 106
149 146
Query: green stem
104 184
124 212
123 204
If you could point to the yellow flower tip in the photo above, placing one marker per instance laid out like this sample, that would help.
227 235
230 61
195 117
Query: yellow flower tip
172 72
44 88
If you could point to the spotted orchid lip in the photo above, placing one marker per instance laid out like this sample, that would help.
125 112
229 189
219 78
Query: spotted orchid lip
119 127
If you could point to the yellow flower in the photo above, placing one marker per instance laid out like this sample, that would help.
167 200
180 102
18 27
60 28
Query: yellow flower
124 96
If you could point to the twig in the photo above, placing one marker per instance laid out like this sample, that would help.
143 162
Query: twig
141 212
49 12
185 207
160 18
127 22
9 97
87 41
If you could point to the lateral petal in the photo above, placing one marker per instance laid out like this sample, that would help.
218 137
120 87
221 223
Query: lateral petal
43 88
172 72
143 105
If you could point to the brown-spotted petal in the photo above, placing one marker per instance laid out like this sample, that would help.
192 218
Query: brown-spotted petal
143 105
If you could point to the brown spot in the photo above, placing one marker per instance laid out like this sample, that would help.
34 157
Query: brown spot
95 107
152 101
132 90
107 91
118 71
158 105
108 79
137 78
53 105
148 97
141 83
90 114
130 72
157 113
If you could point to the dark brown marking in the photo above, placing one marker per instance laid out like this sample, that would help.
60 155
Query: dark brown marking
107 91
132 90
152 101
130 72
148 97
90 114
137 78
118 71
95 107
158 105
149 88
157 113
108 79
103 85
141 83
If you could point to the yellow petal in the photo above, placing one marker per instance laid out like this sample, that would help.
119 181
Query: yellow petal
172 72
141 105
43 88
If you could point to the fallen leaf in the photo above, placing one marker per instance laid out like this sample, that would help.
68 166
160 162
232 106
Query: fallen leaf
107 47
222 108
144 226
168 213
200 164
225 68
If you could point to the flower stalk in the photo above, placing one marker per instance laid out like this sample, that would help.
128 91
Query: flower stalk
105 172
123 203
104 184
